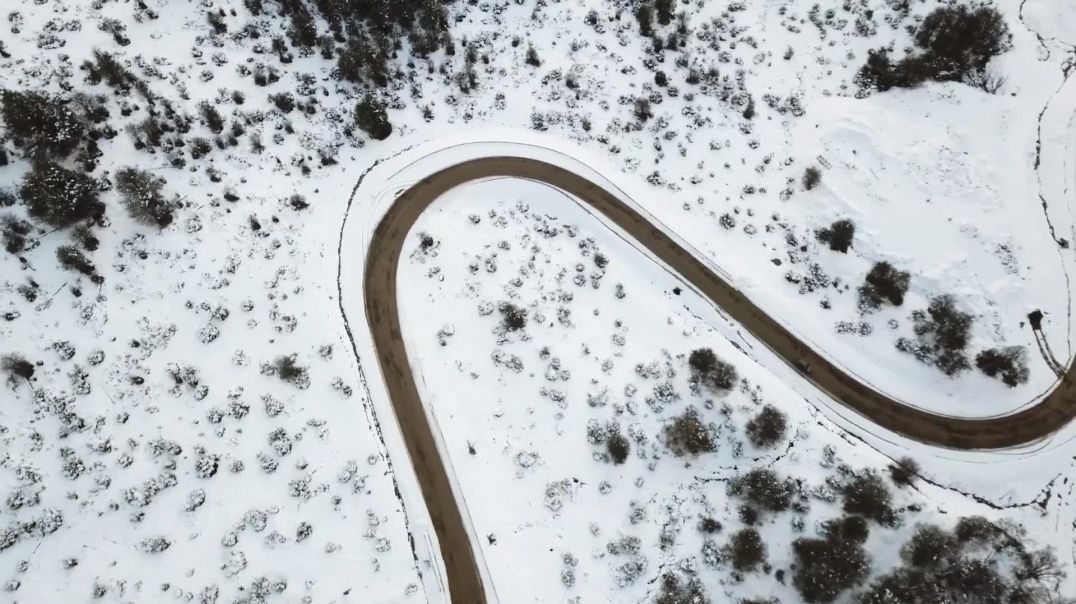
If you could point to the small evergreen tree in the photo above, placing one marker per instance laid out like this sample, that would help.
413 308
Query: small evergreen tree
372 119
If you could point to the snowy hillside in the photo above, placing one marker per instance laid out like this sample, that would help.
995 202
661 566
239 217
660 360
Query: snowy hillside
183 415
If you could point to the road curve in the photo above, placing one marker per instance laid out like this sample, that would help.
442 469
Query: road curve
383 257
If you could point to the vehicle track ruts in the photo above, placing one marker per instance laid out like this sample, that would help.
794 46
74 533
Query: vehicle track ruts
383 256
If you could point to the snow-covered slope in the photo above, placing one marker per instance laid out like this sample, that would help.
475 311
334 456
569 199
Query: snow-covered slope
156 454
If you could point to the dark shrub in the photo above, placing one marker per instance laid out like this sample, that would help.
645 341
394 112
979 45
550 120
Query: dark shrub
826 568
284 101
513 318
904 471
681 590
956 44
105 68
960 40
942 336
812 176
711 371
72 258
764 489
838 235
618 447
141 192
212 117
930 548
532 57
642 110
288 369
15 233
1009 364
977 531
709 525
59 196
644 15
40 125
904 585
847 528
362 60
688 435
664 10
867 495
978 562
884 283
371 118
767 428
746 550
17 366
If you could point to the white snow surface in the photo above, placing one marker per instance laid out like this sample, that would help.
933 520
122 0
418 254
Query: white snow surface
945 181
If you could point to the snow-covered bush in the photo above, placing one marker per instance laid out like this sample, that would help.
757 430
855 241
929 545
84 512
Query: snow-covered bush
60 197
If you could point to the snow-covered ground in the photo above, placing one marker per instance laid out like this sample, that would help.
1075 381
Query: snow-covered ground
150 392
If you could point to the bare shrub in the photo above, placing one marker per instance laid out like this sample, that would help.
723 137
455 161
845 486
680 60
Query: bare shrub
812 177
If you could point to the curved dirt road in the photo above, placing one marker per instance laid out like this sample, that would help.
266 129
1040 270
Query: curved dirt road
383 256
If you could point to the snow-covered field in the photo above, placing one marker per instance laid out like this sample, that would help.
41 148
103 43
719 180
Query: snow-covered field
157 456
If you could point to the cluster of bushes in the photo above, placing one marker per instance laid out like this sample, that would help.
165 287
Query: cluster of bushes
942 332
828 566
978 561
617 446
1009 364
710 371
955 44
